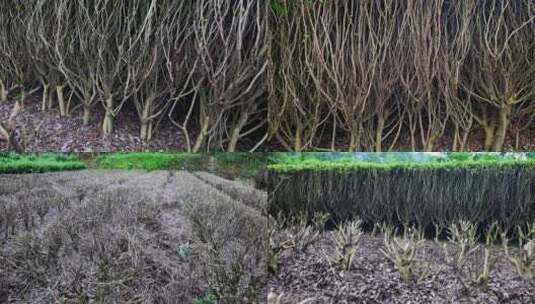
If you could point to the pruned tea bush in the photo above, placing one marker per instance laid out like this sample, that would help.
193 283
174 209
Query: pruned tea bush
104 246
231 248
419 194
247 195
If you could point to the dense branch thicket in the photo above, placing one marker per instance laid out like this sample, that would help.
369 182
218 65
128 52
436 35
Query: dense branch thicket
364 74
200 63
420 196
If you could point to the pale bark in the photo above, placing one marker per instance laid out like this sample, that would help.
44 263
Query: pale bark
3 92
87 115
205 125
236 131
107 124
61 100
45 97
145 132
379 134
489 136
501 131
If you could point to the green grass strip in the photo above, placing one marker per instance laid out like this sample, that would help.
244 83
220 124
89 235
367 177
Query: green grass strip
11 163
352 164
149 161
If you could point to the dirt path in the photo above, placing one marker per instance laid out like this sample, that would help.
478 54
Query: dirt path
105 235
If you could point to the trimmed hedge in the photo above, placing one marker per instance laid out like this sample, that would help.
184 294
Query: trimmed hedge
422 194
146 160
348 164
27 163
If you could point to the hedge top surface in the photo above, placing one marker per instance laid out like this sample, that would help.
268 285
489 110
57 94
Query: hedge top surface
28 163
149 161
350 164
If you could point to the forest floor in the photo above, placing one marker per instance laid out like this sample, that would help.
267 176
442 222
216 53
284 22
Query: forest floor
373 278
49 132
114 236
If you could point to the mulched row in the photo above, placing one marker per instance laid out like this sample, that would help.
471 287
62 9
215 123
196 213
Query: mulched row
373 279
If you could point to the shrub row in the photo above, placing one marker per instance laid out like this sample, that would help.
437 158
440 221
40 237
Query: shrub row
427 194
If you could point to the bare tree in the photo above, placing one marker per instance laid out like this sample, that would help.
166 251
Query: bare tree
181 61
16 65
296 111
230 41
45 30
111 28
386 103
76 58
346 50
500 66
424 37
458 24
144 63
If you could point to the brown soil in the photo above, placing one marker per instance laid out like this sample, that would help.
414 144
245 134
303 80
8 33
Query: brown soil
373 279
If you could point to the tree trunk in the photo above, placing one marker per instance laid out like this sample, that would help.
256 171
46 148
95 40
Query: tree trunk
237 131
146 130
143 130
503 125
298 146
44 101
430 143
354 141
149 131
87 115
455 144
3 92
379 134
466 134
202 135
234 139
61 100
107 125
489 136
